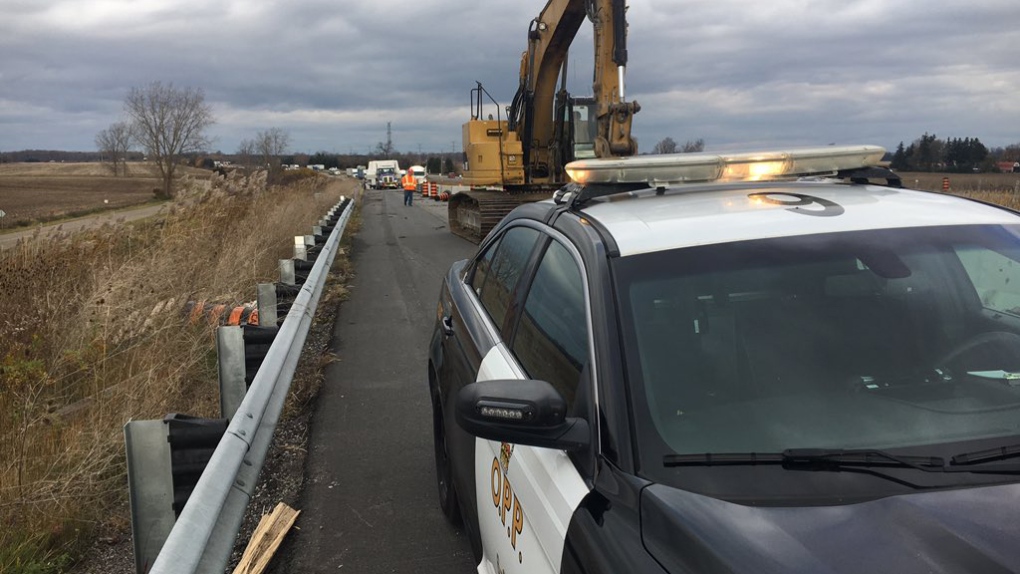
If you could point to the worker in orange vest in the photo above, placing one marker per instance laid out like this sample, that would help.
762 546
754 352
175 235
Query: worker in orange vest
410 183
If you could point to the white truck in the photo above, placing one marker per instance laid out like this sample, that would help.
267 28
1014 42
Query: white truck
418 171
383 174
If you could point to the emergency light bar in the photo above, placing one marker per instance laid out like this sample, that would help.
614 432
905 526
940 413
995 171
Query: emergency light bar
661 170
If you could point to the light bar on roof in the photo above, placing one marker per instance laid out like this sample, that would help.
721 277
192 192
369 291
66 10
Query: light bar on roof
658 170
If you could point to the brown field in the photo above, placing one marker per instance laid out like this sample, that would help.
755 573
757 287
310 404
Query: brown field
36 192
963 182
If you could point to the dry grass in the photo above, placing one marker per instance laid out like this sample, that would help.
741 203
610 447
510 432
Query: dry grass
998 188
964 183
93 334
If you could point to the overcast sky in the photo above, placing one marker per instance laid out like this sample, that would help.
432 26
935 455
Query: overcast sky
332 73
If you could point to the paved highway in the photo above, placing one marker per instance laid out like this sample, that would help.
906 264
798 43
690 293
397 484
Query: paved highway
369 503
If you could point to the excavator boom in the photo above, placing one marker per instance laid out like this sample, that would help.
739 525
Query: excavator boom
544 128
533 114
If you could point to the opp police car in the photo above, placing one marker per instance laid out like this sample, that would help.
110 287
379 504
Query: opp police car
703 363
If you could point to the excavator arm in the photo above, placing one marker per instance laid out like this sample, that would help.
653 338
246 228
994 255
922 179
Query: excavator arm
534 114
521 157
615 114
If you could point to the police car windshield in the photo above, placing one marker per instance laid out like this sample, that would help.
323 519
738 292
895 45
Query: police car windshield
878 339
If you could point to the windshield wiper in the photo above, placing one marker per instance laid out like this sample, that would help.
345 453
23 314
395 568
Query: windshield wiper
850 459
813 458
988 455
1010 378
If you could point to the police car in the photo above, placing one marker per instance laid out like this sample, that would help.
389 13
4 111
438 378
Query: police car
756 362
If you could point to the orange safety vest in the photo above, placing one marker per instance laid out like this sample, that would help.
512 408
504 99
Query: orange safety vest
409 182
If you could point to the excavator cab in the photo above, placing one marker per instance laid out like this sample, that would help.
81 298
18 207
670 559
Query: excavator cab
583 128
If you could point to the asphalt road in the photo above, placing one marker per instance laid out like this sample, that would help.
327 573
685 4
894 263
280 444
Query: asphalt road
369 503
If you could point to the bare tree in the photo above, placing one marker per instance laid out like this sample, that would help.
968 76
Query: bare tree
668 145
1011 153
246 154
665 145
168 122
270 145
697 145
113 144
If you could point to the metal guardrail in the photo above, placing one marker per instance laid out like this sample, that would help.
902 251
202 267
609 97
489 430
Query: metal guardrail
202 539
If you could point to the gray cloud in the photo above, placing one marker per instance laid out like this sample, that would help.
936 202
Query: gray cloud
735 73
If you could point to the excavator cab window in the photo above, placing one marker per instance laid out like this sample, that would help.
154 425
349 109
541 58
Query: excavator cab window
584 128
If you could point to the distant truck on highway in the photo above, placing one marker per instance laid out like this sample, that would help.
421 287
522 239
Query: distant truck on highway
383 174
419 173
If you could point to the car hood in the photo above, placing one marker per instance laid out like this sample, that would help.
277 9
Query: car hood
965 530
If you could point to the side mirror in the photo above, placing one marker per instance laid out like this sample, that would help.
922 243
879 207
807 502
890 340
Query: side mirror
524 412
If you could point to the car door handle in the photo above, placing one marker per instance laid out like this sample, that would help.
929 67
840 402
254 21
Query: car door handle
447 325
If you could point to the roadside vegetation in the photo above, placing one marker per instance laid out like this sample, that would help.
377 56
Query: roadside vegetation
977 185
94 333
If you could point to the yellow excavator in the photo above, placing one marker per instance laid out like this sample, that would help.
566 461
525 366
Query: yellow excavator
520 157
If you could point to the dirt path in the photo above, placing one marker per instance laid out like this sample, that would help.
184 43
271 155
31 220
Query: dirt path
45 231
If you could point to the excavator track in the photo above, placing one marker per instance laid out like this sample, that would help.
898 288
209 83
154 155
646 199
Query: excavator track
472 214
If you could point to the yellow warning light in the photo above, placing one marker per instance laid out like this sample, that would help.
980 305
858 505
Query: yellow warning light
668 169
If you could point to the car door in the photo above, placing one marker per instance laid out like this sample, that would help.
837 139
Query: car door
527 495
481 303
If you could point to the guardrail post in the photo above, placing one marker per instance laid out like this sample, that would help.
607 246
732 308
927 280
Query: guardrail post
287 276
150 489
300 248
266 297
165 459
231 354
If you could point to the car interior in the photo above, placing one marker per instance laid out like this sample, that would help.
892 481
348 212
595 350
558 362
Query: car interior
909 328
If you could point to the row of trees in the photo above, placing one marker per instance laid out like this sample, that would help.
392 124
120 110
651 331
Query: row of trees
668 145
264 151
170 124
929 153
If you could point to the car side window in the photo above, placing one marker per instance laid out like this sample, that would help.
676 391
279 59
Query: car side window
482 268
506 263
995 276
552 339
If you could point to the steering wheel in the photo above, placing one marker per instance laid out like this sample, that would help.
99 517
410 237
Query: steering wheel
1002 347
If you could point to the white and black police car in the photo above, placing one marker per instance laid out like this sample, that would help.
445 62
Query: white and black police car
756 362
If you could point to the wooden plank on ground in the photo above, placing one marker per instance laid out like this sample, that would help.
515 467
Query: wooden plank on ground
266 539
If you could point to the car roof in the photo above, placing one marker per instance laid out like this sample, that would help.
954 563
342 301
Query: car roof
689 215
